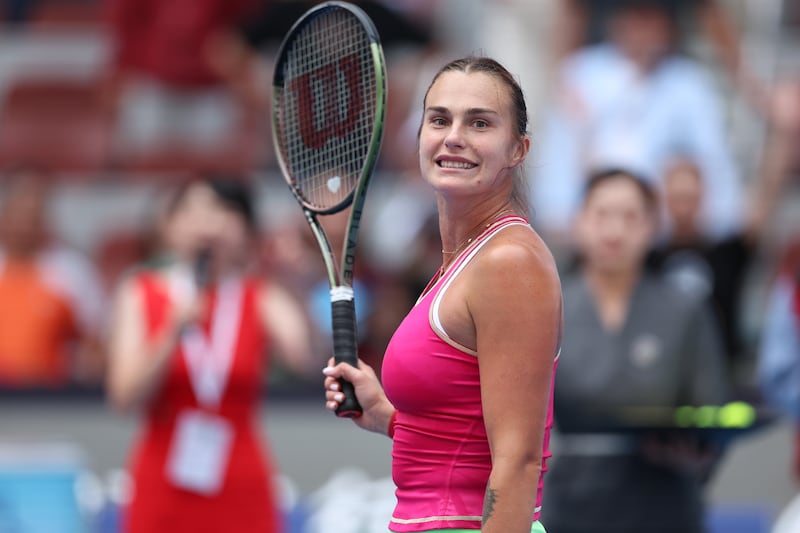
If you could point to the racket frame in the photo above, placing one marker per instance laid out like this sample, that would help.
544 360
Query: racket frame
340 276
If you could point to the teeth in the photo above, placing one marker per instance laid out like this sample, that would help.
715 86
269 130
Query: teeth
455 164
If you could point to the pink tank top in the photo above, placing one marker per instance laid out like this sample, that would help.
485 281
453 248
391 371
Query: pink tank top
440 457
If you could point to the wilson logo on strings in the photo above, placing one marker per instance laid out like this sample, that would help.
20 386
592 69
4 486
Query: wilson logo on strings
329 100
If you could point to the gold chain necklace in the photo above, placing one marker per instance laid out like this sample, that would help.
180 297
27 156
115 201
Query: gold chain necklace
472 235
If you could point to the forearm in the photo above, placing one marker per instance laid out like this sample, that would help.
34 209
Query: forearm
135 385
510 498
380 419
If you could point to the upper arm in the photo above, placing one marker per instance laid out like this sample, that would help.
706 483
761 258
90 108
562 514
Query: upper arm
516 309
126 334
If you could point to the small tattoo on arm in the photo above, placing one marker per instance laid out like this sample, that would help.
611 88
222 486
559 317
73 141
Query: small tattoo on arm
488 504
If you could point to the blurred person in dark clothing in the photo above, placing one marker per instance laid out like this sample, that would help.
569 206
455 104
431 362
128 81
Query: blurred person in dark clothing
632 341
718 269
712 269
51 300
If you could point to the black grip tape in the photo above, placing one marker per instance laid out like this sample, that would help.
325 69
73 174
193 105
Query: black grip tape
345 350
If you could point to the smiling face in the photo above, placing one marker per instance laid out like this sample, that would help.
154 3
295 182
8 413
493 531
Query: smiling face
468 141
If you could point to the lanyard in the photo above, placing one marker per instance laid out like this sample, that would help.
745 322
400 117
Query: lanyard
209 357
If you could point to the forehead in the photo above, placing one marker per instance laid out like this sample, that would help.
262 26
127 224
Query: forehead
617 193
455 89
196 197
683 175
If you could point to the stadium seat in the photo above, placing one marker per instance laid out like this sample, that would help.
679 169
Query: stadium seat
56 122
738 519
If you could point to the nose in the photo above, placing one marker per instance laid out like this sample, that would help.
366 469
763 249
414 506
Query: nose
615 226
454 137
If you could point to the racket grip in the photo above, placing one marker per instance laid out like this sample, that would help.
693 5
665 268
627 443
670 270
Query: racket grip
345 350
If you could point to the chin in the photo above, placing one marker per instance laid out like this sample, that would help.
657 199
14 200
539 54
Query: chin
612 267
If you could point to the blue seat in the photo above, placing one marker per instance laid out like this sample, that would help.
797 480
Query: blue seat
745 518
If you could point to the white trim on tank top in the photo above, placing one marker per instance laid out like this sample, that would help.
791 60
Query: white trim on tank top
434 319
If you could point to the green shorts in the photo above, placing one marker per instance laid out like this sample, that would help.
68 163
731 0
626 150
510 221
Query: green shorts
537 527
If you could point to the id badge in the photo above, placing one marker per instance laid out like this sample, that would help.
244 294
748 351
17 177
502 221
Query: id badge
199 452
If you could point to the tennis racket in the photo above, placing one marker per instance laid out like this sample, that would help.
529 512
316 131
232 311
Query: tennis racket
328 107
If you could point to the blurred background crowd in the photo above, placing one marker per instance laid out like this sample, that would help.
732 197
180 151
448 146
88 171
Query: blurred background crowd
108 106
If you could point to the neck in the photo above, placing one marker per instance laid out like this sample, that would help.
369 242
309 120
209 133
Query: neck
613 284
683 234
459 231
612 295
644 63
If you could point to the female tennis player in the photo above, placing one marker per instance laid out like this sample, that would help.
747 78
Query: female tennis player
467 376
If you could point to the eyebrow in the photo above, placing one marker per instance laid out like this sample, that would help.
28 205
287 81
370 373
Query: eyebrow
470 112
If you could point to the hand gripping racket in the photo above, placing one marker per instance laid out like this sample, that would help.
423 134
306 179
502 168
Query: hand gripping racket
328 106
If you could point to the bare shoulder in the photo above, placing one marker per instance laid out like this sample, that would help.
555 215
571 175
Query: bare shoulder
518 255
514 284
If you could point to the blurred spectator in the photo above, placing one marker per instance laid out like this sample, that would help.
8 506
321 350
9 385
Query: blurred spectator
189 345
584 22
779 369
779 350
51 301
712 269
632 342
633 102
780 160
163 87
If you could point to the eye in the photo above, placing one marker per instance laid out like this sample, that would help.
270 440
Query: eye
438 121
480 123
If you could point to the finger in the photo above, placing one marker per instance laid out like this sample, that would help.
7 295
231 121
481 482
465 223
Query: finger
332 372
344 371
332 396
330 380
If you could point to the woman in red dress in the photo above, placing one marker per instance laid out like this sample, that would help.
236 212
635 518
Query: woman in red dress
188 347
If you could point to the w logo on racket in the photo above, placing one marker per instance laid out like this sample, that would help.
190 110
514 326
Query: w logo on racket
329 101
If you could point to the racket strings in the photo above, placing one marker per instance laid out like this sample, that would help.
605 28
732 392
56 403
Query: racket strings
327 108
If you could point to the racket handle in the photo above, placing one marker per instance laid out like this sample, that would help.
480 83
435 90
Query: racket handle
345 350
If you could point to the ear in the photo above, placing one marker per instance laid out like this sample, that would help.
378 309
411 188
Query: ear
523 146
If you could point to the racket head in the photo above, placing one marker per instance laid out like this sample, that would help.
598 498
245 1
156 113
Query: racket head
328 106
